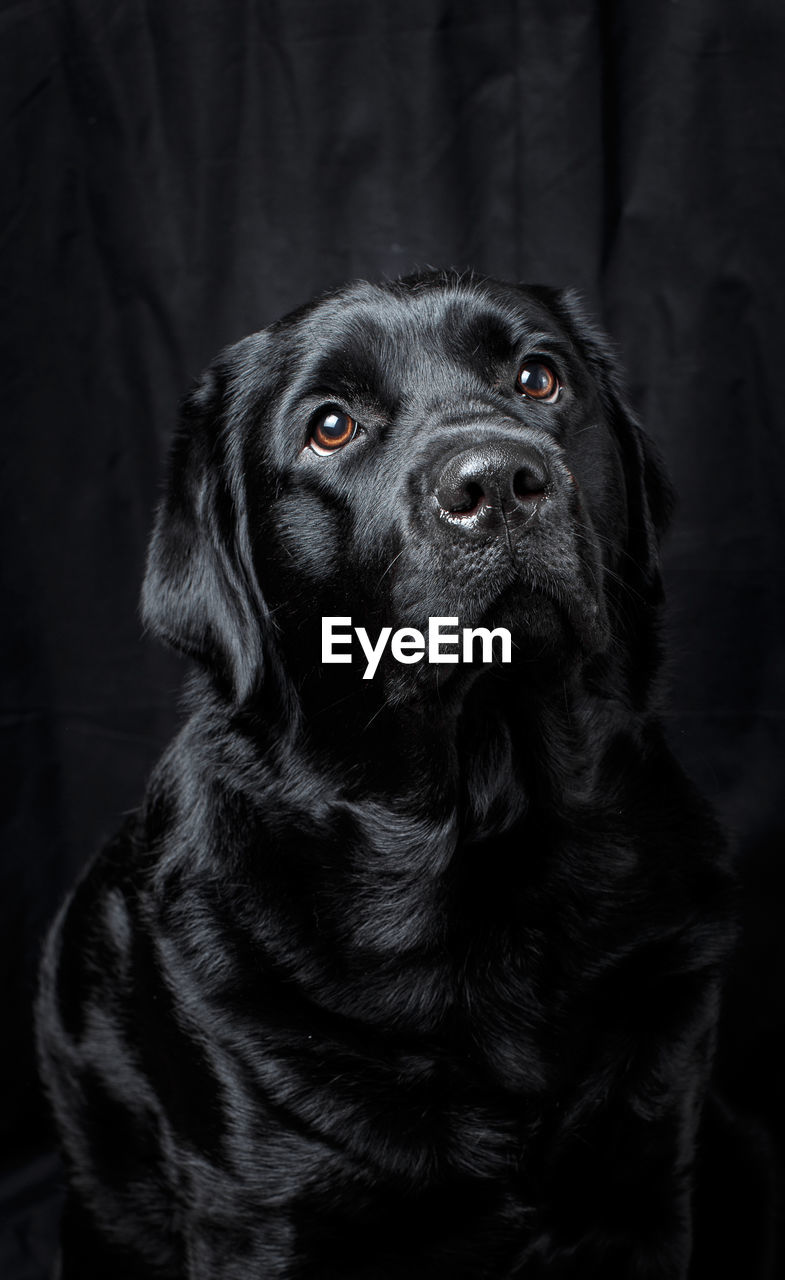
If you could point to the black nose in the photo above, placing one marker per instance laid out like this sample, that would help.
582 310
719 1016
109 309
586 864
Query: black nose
492 481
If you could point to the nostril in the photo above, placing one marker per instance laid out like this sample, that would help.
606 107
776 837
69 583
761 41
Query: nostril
528 483
468 500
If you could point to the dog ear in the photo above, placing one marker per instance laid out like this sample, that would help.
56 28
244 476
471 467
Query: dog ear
650 497
200 593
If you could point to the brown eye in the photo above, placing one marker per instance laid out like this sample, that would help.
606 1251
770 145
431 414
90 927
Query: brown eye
331 431
538 381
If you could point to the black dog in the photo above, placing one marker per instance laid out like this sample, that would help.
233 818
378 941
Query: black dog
413 975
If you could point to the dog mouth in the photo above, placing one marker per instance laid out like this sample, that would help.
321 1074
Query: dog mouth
527 558
539 605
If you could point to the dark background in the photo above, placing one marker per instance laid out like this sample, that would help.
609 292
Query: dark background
178 172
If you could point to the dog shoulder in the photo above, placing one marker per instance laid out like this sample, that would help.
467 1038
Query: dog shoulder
88 956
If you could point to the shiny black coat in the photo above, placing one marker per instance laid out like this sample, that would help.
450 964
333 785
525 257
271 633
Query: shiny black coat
416 976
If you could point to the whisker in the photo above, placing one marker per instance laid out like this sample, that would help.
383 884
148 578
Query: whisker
390 565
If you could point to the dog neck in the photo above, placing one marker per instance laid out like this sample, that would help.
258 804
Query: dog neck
482 759
380 857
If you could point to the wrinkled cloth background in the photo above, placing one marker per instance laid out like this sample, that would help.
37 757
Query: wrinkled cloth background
177 173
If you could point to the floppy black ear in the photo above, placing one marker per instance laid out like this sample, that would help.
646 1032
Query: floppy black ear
650 496
200 593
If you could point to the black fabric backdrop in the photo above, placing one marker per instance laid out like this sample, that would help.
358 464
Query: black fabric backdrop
177 174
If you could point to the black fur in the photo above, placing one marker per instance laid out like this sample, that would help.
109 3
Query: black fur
415 976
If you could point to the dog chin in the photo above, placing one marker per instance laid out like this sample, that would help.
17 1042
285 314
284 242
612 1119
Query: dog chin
548 634
539 616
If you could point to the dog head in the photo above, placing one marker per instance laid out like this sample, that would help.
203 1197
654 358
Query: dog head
441 445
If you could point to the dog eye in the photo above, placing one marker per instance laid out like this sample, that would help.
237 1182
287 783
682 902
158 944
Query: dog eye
538 381
331 431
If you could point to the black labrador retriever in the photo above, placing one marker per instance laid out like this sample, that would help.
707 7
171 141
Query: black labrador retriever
408 965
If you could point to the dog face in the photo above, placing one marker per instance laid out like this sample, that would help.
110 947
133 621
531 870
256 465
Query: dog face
438 446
